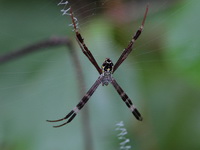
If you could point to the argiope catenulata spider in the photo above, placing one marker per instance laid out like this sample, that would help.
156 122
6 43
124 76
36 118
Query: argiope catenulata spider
106 71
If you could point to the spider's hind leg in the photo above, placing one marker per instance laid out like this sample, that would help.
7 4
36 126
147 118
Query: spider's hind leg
70 115
127 101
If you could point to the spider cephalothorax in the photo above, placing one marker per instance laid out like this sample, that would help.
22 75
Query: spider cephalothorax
106 71
107 66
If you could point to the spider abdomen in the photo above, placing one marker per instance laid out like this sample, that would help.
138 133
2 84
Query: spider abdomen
107 78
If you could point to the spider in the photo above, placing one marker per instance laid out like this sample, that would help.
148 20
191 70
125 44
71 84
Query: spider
106 71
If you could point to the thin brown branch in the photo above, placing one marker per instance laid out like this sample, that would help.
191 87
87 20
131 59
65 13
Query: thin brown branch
39 46
87 133
49 43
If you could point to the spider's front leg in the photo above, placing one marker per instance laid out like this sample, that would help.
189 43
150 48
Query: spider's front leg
70 116
127 50
82 44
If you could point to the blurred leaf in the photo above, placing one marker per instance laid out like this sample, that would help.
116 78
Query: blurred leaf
183 44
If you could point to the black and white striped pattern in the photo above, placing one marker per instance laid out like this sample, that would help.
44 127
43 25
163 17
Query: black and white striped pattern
70 116
126 99
128 50
83 46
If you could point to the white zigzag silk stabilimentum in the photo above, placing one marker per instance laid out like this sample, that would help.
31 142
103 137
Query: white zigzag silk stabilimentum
121 136
66 11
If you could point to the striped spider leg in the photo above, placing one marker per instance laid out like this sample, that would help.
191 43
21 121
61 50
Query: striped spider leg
106 71
70 116
82 45
126 99
127 50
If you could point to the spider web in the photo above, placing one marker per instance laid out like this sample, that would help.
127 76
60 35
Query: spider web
39 86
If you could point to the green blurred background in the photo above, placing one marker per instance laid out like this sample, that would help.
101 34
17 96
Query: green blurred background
162 75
